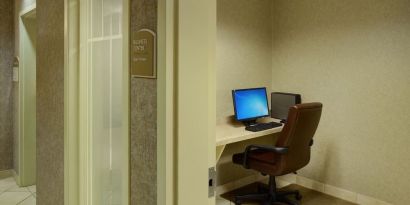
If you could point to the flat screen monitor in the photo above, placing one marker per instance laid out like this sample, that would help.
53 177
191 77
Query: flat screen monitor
281 102
250 104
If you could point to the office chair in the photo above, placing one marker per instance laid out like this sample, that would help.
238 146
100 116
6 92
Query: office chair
291 153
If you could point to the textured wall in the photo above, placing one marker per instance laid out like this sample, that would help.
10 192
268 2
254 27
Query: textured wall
50 102
354 57
244 39
6 95
143 117
244 60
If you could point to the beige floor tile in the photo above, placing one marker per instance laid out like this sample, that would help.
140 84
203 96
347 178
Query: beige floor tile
32 189
16 188
13 198
7 183
12 194
29 201
8 179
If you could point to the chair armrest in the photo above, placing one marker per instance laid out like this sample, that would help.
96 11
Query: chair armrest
278 150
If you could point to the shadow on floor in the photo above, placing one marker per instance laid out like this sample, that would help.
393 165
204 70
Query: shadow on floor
310 197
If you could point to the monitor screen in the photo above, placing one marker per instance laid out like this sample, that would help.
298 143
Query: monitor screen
250 104
281 102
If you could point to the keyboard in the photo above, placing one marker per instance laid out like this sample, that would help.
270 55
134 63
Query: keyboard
263 126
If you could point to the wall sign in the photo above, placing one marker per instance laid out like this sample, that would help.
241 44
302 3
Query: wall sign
144 54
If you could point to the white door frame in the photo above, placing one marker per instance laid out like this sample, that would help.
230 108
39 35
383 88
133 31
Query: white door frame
71 106
166 103
196 99
26 112
186 70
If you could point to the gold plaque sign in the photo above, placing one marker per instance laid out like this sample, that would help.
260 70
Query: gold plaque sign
143 54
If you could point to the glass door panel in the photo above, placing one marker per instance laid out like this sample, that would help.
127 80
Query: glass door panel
108 128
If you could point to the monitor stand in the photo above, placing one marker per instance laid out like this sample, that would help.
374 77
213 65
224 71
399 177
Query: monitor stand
250 123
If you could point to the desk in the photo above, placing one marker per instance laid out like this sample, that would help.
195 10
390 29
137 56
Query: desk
231 132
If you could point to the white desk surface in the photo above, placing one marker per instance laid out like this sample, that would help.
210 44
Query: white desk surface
231 132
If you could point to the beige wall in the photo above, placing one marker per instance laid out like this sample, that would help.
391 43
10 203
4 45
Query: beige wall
244 60
6 100
244 39
354 57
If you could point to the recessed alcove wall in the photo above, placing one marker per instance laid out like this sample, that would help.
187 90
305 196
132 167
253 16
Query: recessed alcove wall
244 60
350 55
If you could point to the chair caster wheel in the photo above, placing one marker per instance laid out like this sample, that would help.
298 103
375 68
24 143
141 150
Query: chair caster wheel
298 197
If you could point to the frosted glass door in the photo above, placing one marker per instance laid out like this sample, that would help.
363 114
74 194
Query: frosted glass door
106 89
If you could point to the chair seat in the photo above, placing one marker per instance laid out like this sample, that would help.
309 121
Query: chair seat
262 161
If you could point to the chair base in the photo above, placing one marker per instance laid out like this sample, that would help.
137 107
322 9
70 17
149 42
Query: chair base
269 195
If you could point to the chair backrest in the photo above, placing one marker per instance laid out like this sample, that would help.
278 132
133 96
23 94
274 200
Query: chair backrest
297 135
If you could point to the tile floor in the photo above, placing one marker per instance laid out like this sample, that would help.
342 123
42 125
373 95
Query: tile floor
12 194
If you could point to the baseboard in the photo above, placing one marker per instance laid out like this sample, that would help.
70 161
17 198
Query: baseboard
5 174
331 190
16 176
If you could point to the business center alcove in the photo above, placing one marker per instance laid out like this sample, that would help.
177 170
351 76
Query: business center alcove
349 56
243 60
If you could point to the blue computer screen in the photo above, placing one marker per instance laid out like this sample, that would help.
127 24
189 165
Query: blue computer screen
250 103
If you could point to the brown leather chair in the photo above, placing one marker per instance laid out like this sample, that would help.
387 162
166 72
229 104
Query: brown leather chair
291 153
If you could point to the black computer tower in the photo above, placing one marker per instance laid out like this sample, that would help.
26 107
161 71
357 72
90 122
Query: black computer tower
280 103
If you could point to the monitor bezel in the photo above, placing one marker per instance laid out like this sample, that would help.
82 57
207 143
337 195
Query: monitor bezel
246 89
